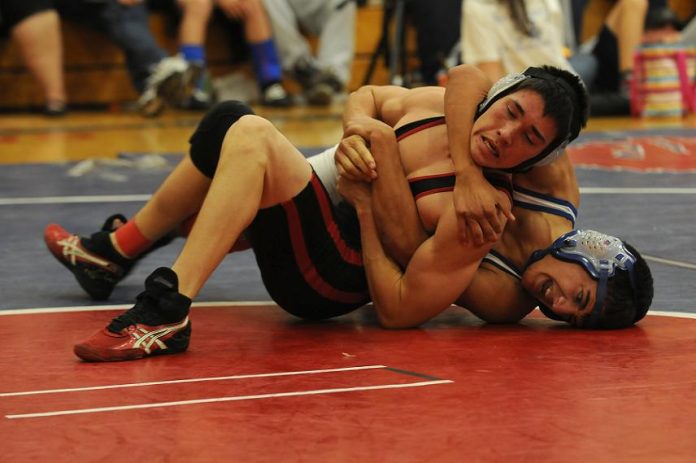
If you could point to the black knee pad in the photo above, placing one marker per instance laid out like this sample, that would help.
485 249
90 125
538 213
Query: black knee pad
206 141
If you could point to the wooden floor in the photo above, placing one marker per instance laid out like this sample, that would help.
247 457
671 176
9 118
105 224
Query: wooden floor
34 138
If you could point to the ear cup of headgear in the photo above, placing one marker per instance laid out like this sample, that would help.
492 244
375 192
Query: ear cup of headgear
500 88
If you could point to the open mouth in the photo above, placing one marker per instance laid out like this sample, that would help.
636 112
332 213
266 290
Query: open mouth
545 291
491 147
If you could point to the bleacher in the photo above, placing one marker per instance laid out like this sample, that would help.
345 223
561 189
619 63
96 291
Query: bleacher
96 76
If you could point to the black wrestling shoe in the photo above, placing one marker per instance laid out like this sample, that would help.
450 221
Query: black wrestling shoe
157 324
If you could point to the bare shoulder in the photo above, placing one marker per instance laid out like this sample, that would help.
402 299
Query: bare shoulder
555 179
426 98
496 296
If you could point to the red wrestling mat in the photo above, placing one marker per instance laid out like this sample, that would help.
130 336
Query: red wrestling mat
257 385
655 153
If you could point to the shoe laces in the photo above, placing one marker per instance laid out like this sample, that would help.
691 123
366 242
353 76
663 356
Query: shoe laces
144 311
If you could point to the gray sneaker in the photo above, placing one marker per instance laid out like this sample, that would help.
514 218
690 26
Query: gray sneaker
163 87
319 86
319 94
197 89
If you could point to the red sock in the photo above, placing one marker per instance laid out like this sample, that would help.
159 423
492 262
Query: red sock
129 241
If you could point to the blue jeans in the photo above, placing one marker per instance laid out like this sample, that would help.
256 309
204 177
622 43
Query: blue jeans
586 66
127 26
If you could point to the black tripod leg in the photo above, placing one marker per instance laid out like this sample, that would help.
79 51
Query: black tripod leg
382 48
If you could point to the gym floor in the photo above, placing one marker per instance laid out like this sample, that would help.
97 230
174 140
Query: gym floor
259 385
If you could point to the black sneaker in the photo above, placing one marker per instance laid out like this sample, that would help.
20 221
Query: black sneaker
320 94
609 104
56 108
330 78
319 85
275 96
157 324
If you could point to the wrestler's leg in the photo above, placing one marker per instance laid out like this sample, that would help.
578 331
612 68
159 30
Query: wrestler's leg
182 193
103 259
100 261
258 168
180 196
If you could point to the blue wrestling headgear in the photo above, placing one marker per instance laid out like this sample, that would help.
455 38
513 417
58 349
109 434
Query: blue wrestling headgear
577 116
599 254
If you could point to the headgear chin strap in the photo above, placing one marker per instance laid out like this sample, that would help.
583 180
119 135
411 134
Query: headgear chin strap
509 83
599 254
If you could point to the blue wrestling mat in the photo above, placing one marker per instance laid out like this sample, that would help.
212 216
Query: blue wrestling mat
652 208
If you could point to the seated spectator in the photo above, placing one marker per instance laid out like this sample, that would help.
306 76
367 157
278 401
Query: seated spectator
194 17
437 33
621 34
502 37
155 76
35 28
325 75
663 26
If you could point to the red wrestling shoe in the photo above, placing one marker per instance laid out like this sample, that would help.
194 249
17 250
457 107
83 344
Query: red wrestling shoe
95 264
158 323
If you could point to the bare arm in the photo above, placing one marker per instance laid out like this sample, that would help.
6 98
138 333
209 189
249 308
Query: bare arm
492 69
475 200
367 109
395 212
372 102
394 208
439 271
400 229
509 304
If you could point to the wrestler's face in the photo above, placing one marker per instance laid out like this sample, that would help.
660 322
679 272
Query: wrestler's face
512 131
564 287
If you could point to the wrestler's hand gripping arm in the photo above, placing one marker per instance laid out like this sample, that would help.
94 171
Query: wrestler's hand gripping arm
476 202
367 109
439 271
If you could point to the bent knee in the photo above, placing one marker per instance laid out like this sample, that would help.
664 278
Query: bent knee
251 135
251 125
206 141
